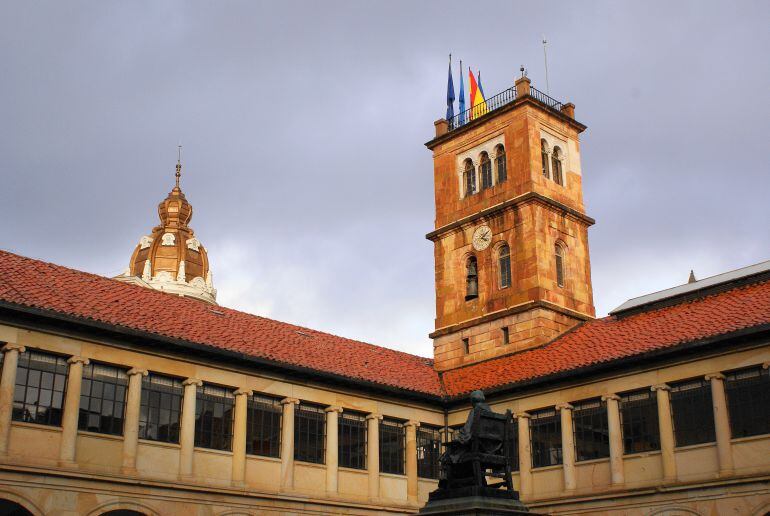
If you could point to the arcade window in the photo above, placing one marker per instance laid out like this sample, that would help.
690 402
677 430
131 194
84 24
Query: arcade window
592 436
544 157
748 401
469 178
504 259
639 420
486 171
392 437
352 440
428 451
38 396
559 258
310 433
214 408
263 426
160 408
692 412
545 433
502 173
102 399
556 166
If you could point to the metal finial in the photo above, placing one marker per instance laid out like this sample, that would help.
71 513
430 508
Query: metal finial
522 70
178 164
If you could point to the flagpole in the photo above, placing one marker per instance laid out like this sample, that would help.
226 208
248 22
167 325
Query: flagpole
545 57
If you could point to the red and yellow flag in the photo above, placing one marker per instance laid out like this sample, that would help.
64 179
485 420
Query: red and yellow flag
478 102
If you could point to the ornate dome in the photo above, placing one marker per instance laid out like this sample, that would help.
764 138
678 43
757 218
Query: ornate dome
171 258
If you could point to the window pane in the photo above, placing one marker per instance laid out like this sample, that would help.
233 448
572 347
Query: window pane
263 426
692 412
639 417
39 390
428 451
592 438
502 173
155 423
748 402
352 440
214 417
102 399
545 432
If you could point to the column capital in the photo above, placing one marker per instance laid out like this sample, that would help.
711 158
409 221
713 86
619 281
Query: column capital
660 387
242 392
564 406
134 370
290 401
608 397
766 365
192 381
333 408
412 423
374 416
522 415
76 359
714 376
13 346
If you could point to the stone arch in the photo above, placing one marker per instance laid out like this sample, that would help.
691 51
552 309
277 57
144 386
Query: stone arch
763 509
17 505
675 511
123 508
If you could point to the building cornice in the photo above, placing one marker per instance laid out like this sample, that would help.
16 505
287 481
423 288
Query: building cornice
528 197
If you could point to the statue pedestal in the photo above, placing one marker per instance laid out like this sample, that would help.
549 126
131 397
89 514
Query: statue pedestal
474 501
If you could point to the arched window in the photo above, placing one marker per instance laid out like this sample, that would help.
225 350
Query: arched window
486 171
469 178
556 166
502 173
544 157
559 255
504 260
471 278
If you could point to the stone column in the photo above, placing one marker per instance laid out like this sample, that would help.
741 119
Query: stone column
239 437
7 386
332 448
373 454
525 455
187 430
721 423
131 424
287 443
69 420
412 484
567 446
666 424
616 438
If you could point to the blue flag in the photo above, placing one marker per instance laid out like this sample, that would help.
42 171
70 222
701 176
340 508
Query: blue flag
450 94
461 100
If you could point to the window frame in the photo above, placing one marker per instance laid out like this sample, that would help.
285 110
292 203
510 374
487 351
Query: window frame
118 383
500 164
308 446
469 178
428 451
689 400
264 423
632 410
352 441
28 395
545 159
173 391
589 417
471 277
215 432
505 279
557 166
744 392
559 253
392 458
485 170
545 438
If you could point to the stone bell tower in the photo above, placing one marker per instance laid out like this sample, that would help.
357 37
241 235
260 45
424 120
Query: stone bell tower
511 233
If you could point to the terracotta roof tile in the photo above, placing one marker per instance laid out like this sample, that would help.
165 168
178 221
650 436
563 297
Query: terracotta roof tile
32 283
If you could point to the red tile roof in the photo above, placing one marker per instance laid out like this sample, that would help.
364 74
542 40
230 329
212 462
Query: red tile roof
42 285
604 340
49 287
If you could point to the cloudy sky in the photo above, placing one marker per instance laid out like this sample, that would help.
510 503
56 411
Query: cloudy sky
303 126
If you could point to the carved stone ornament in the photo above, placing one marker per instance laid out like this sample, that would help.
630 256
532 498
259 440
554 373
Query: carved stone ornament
168 239
193 244
181 276
145 242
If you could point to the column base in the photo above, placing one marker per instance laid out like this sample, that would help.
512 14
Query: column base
129 471
71 464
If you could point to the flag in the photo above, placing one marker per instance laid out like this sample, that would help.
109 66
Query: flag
461 100
450 94
478 102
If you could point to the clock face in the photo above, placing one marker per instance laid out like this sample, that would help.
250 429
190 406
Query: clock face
482 237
